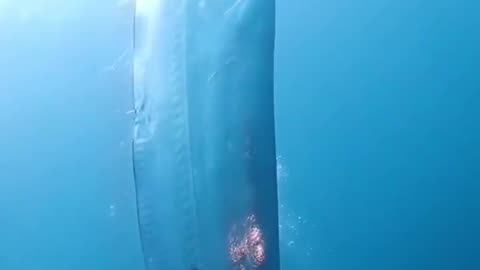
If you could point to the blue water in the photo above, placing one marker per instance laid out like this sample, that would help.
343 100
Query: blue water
66 182
377 132
377 106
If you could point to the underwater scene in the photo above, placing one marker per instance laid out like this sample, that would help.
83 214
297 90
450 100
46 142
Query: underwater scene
294 135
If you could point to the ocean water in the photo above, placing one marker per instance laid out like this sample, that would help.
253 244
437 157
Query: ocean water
66 184
377 106
378 138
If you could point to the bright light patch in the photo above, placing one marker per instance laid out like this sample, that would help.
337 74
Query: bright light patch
146 6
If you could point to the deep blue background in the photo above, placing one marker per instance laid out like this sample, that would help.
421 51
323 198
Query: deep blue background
376 108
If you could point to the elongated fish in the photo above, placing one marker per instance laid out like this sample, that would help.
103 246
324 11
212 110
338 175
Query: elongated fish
204 145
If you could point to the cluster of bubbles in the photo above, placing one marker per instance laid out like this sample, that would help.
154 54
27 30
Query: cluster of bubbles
291 224
247 245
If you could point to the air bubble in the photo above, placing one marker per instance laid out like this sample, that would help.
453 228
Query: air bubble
112 210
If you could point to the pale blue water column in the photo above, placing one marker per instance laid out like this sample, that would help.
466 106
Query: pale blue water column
67 198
